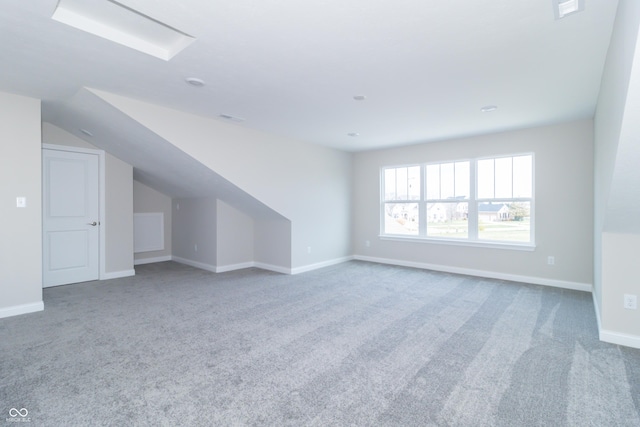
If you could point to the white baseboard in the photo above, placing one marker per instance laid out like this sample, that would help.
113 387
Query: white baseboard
620 338
271 267
261 265
322 264
196 264
117 274
611 336
232 267
586 287
152 260
21 309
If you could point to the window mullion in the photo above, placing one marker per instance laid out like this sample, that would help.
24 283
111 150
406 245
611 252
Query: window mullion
473 202
422 207
512 175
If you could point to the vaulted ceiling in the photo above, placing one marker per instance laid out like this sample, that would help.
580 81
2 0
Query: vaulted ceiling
292 68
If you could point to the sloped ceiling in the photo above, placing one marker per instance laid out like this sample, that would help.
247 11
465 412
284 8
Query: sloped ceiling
156 162
623 205
292 68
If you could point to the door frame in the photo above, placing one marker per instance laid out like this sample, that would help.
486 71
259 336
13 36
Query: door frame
101 199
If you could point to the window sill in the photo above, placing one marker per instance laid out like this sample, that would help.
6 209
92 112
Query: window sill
478 244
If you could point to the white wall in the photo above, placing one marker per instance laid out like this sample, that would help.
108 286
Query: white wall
20 228
148 200
272 244
226 238
307 184
119 225
619 263
194 232
235 233
118 219
563 206
617 181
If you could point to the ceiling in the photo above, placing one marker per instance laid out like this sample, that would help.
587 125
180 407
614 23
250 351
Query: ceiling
292 67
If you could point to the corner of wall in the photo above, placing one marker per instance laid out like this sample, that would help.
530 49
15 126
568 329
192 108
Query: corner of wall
21 228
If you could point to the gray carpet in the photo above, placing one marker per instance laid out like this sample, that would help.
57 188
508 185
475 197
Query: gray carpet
357 344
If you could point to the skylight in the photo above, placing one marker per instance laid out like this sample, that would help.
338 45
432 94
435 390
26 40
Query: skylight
116 22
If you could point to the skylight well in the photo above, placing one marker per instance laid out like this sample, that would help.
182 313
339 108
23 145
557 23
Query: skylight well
120 24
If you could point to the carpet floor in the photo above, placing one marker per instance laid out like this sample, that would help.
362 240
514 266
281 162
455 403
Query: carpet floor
356 344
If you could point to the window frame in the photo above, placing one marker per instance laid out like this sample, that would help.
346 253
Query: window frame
473 201
384 201
440 200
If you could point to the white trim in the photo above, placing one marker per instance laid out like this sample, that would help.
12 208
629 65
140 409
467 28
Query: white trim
21 309
152 260
322 264
473 202
461 242
620 338
196 264
596 308
232 267
118 274
263 266
72 149
103 216
102 274
611 336
271 267
586 287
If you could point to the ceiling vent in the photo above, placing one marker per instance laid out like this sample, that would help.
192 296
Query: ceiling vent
231 118
121 24
563 8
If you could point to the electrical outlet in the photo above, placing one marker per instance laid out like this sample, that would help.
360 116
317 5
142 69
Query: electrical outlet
308 249
630 301
551 260
367 243
21 202
195 247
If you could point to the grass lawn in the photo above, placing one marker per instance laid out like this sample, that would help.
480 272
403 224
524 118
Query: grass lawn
513 231
453 229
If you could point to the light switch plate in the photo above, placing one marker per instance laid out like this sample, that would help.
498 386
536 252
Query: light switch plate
21 202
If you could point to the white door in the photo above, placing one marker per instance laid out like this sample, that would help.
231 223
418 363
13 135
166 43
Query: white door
70 216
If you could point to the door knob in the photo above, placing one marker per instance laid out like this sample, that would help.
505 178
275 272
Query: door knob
92 223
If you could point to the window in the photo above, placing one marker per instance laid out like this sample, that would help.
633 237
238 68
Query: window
401 194
505 187
482 200
447 200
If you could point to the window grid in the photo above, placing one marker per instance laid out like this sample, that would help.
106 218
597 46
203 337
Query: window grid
462 215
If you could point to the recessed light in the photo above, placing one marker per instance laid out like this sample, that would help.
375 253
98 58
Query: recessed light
354 134
488 108
86 132
359 97
194 81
